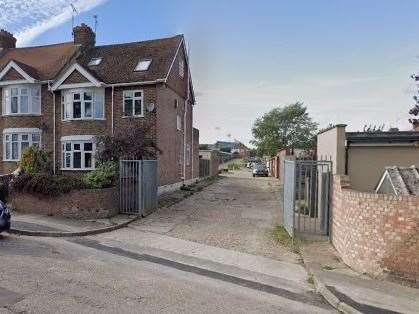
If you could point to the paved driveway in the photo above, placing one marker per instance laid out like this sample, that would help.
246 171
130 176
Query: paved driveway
238 212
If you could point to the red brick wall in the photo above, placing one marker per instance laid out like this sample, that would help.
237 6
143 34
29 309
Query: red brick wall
376 233
96 203
75 77
12 75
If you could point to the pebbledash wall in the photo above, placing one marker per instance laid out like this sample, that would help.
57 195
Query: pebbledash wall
376 234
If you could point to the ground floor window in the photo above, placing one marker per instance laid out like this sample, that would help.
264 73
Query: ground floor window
15 141
78 154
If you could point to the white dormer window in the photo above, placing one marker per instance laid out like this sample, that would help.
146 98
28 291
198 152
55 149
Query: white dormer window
22 99
143 65
181 68
94 61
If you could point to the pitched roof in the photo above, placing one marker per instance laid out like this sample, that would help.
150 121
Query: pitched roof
42 62
405 180
119 60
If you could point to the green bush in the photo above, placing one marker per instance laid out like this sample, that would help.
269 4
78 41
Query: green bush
102 177
42 184
35 160
67 183
45 184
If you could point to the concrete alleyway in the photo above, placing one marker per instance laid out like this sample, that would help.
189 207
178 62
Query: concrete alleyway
238 212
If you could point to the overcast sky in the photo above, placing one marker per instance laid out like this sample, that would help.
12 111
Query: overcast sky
348 61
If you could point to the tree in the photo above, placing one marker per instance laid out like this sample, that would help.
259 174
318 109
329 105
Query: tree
284 127
129 142
414 111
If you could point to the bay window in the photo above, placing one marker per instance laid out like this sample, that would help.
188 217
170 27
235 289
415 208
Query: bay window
78 154
133 103
83 104
15 141
22 99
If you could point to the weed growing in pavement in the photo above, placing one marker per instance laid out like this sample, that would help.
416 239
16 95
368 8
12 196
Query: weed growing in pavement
281 235
310 279
327 267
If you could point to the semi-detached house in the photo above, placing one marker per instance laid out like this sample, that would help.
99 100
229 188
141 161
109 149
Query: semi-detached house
60 97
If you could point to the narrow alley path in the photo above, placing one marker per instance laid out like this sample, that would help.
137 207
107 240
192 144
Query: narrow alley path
238 212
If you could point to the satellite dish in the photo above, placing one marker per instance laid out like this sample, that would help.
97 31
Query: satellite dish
150 107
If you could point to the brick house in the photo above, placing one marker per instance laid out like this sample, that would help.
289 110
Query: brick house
61 96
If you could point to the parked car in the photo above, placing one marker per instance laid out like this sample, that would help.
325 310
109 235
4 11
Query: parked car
260 170
4 217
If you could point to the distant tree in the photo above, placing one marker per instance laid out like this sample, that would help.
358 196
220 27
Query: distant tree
414 111
284 127
225 149
204 146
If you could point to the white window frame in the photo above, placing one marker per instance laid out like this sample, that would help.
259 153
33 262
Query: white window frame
31 89
178 122
133 98
67 103
8 135
77 141
143 65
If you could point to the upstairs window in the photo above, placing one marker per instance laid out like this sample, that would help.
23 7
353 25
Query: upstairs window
143 65
181 68
83 104
22 100
15 141
94 61
133 103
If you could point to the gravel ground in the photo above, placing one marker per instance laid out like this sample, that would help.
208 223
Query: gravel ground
237 212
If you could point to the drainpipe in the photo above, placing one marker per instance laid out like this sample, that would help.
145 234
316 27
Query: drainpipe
184 140
54 145
112 123
347 157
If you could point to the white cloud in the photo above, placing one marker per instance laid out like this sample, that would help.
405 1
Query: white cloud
28 19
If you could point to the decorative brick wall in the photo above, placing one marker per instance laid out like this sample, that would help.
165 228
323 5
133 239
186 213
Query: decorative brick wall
376 234
88 204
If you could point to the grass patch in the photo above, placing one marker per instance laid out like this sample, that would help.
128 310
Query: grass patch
282 237
310 279
327 267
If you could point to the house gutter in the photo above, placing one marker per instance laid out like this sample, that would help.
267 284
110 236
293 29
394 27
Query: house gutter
136 83
54 144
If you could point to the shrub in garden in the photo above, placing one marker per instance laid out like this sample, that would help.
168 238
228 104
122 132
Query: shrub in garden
129 143
103 176
35 160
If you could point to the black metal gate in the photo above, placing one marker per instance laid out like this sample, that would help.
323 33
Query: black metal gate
306 196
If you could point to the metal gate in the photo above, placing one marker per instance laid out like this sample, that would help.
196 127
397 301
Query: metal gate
306 196
137 186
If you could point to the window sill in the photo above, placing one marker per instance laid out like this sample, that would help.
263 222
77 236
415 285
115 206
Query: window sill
11 160
77 169
71 120
22 115
133 117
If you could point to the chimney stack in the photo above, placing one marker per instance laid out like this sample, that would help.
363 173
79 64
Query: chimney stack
7 40
84 36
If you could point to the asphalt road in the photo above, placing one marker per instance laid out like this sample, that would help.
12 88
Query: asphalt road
139 271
